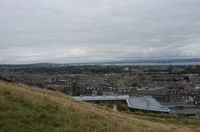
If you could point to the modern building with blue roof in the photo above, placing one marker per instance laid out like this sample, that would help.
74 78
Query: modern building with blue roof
146 103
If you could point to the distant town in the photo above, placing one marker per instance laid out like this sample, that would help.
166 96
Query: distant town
171 85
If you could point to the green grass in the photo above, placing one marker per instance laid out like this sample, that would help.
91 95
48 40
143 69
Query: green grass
191 122
20 115
25 109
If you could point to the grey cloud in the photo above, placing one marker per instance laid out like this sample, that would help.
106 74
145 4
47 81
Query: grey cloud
76 30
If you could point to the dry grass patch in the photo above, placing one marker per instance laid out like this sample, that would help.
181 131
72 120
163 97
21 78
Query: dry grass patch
38 109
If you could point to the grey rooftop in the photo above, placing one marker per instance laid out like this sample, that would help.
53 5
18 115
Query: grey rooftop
141 103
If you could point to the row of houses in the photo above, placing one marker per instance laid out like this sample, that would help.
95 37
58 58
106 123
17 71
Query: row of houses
171 95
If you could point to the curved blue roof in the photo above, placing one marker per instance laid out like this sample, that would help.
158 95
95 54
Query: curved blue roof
142 103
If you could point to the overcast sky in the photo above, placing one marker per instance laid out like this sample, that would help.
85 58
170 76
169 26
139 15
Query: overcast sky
64 31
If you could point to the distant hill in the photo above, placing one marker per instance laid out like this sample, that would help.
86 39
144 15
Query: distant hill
157 61
122 62
23 109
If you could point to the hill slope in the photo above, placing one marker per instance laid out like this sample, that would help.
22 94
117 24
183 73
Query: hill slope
30 109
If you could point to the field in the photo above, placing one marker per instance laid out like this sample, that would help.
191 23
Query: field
24 108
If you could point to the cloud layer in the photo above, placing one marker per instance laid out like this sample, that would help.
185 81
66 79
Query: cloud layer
78 31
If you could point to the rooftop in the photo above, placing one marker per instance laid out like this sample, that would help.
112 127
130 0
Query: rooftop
142 103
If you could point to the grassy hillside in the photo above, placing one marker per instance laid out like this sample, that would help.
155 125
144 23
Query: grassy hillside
30 109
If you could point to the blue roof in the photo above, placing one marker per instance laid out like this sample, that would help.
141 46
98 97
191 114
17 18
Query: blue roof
101 98
141 103
146 103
